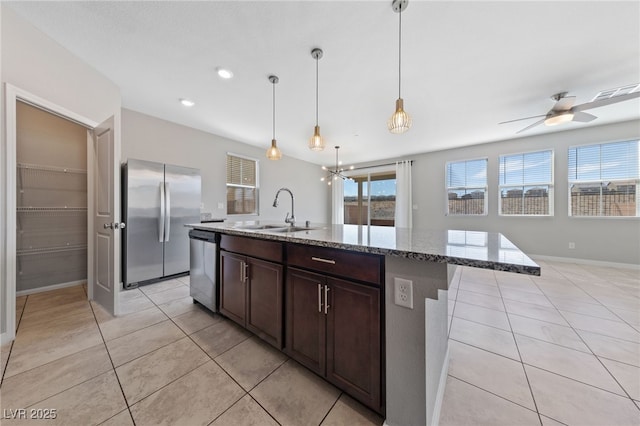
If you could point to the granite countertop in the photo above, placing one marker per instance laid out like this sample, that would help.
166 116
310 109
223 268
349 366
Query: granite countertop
486 250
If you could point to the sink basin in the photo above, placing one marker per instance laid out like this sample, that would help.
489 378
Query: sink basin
294 229
259 227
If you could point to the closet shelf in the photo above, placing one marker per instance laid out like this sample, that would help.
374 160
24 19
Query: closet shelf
50 209
43 168
60 249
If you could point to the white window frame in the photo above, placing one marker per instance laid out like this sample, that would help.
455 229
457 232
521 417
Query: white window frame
256 187
549 184
600 182
447 188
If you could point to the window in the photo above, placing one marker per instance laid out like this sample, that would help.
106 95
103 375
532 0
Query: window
603 179
242 185
370 199
526 183
467 187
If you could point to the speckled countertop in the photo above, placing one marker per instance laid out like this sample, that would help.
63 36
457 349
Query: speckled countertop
487 250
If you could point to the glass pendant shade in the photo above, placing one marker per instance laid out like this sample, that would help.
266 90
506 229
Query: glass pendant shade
274 153
316 143
400 121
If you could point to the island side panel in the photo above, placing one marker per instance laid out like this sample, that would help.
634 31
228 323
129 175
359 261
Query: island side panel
416 341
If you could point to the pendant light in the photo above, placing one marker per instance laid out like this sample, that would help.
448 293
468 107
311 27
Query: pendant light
274 153
316 143
400 121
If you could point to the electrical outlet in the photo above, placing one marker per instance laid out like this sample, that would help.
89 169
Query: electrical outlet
572 245
403 292
220 205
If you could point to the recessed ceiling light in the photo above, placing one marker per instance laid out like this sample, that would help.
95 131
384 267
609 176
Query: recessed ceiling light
187 102
224 73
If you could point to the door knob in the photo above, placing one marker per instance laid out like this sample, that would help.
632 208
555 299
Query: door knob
108 226
117 225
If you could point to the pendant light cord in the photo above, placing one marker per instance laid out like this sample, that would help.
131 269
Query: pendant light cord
317 90
274 111
400 51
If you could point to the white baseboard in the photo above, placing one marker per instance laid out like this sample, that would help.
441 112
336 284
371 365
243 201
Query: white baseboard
586 262
4 338
49 288
435 419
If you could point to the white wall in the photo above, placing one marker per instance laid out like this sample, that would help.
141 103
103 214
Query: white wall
603 239
32 61
149 138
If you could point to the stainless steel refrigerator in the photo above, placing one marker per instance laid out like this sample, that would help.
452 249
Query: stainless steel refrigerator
157 201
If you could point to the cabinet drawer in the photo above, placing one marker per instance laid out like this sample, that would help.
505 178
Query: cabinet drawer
262 249
342 263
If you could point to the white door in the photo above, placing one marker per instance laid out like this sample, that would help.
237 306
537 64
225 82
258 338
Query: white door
106 225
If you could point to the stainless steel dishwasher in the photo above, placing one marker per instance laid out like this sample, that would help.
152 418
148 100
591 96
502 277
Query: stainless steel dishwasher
204 268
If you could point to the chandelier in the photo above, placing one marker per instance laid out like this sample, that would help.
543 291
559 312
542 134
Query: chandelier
336 173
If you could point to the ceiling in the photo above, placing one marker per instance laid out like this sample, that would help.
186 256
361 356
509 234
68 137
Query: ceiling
466 66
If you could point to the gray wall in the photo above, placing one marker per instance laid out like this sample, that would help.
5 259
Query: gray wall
602 239
34 62
148 138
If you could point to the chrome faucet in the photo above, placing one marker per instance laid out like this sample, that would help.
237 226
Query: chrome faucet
290 220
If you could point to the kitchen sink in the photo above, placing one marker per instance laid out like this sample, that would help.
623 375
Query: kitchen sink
294 229
264 227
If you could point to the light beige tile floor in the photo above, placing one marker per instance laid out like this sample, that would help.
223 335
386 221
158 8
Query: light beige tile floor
567 351
165 361
563 348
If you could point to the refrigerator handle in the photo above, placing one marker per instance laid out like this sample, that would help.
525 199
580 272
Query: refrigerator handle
161 221
167 220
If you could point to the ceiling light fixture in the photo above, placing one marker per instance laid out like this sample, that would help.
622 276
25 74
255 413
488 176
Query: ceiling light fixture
400 121
187 102
316 143
335 173
224 73
563 117
274 153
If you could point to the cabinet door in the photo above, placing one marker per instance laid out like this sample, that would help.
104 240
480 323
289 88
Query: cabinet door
264 300
232 287
353 340
306 326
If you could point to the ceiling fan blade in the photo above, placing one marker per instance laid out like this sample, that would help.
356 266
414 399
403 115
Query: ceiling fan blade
583 117
525 118
564 104
537 123
607 101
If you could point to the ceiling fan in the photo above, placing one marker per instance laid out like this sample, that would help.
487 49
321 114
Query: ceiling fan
564 111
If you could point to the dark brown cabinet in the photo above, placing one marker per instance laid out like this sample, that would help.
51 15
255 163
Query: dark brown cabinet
251 288
333 326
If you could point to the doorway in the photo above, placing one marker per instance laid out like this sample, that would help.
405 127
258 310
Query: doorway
102 204
370 198
51 201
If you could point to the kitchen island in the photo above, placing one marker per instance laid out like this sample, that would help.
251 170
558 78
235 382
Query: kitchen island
365 264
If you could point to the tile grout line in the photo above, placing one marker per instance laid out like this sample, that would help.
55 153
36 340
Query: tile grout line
104 342
593 297
6 365
598 359
592 353
535 404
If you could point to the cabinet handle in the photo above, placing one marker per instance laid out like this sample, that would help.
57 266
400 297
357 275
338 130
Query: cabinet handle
326 299
242 271
319 298
319 259
246 272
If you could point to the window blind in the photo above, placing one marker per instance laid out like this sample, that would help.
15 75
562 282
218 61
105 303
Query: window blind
242 185
610 161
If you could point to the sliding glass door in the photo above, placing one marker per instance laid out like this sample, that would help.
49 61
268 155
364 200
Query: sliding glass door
370 199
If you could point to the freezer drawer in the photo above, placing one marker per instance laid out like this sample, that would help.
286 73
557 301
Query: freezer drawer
203 253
